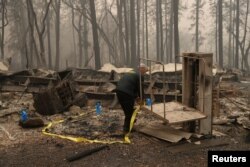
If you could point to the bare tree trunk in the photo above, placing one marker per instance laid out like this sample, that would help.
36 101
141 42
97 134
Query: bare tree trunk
171 32
138 28
126 32
32 41
74 45
41 31
49 39
57 31
197 26
157 31
108 32
4 17
230 35
20 25
143 30
176 30
95 35
79 32
85 38
243 43
161 30
216 33
246 58
79 29
134 59
85 31
101 31
237 24
80 42
146 19
121 44
22 33
233 28
166 32
220 33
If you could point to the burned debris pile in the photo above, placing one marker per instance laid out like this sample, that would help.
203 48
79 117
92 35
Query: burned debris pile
234 99
71 95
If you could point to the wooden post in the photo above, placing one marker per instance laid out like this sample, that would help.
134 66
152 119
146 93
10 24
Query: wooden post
205 91
188 87
187 78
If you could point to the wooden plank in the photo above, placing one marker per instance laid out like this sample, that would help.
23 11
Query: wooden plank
175 112
205 92
34 79
189 85
187 79
191 146
165 133
17 88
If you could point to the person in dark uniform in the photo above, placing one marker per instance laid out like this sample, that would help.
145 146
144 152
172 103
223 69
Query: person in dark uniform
128 90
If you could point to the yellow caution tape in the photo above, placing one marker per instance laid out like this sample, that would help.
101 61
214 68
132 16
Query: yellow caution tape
82 139
126 137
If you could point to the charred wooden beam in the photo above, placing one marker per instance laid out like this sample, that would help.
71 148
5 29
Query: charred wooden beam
85 153
20 88
34 80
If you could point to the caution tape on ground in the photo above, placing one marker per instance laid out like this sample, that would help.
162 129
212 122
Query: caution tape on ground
83 139
126 137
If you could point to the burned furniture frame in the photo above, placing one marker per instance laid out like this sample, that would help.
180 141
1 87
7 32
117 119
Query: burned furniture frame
196 104
197 87
51 95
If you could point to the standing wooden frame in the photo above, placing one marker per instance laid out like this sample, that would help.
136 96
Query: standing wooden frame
197 86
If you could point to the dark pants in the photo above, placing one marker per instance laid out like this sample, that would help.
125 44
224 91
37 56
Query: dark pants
127 102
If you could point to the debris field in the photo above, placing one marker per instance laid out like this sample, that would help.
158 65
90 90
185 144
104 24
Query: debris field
67 99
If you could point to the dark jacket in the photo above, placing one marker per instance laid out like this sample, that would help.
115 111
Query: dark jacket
130 84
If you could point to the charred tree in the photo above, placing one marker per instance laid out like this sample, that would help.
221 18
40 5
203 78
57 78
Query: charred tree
138 28
32 42
95 34
49 38
4 22
121 35
57 7
134 59
176 30
220 33
237 26
146 25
